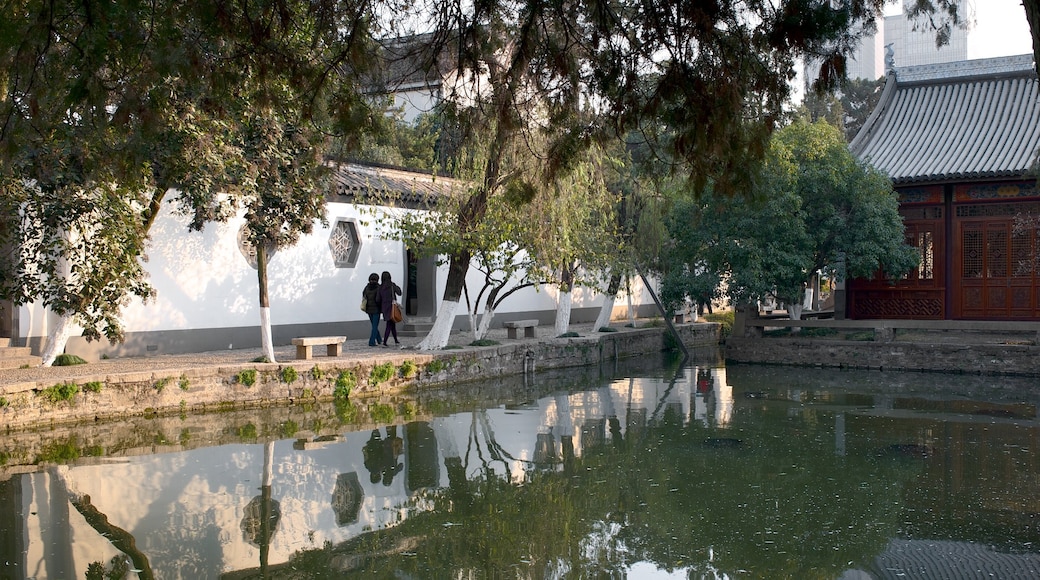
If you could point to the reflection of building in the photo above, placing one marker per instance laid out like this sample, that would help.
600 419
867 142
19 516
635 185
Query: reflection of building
958 141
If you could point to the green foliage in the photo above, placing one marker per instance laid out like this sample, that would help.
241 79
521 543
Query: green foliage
160 384
317 373
247 431
484 342
68 360
346 411
59 392
382 413
860 335
261 359
435 366
408 369
289 375
571 334
93 386
724 318
246 377
289 429
607 329
4 403
184 383
345 383
60 452
381 373
409 410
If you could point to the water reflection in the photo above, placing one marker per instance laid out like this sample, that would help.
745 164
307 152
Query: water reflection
755 472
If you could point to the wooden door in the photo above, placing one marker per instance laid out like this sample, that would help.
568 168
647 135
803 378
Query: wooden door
995 270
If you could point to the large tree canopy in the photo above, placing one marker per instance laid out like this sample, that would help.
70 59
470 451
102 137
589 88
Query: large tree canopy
815 209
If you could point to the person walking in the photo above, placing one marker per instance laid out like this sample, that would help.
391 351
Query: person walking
372 307
388 293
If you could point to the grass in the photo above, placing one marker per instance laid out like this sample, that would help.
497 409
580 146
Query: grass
408 369
60 392
93 386
381 373
570 334
607 329
725 320
246 377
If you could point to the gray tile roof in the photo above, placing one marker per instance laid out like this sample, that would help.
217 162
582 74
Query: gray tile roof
380 185
963 121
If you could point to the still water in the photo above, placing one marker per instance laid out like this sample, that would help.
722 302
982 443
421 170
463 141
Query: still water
651 470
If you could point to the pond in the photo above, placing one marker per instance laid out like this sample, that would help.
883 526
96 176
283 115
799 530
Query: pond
639 470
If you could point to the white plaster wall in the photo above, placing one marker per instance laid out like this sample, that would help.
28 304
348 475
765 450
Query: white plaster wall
203 281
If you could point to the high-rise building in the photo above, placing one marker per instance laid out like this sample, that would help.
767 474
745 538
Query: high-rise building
912 43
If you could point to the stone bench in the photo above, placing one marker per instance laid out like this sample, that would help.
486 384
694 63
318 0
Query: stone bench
305 343
513 325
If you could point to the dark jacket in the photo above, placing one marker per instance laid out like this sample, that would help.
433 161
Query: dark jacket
371 294
387 292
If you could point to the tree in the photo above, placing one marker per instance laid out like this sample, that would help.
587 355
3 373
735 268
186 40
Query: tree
115 104
816 209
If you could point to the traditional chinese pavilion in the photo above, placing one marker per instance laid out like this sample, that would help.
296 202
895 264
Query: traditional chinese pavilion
960 142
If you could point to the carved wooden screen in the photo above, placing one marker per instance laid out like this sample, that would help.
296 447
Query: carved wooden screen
996 263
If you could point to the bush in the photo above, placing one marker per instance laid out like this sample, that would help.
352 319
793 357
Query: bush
261 359
67 360
571 334
725 320
289 375
408 369
607 329
484 342
316 373
246 377
382 413
381 373
93 386
60 392
345 383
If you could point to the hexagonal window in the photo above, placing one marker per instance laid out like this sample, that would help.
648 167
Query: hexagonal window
345 243
248 250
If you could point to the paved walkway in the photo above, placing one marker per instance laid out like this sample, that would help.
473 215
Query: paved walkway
351 350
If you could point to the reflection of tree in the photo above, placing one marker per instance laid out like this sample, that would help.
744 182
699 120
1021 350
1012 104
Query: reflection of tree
780 504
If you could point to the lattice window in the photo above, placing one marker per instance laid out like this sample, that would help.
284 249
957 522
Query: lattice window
344 243
971 257
926 248
248 250
996 253
997 209
1023 254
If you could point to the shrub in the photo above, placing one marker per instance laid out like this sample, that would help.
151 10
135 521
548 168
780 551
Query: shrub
261 359
4 402
435 366
60 392
484 342
93 386
289 375
246 377
161 384
607 329
409 410
247 431
184 383
316 373
67 360
408 369
725 320
571 334
381 373
345 383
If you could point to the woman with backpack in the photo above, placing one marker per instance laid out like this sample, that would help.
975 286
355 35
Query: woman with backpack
370 297
388 293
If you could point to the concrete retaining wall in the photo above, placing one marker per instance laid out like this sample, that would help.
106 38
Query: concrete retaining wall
225 388
989 359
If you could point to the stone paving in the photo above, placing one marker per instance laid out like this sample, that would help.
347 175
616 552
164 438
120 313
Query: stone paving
352 349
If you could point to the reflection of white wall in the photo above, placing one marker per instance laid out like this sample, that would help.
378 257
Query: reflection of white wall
185 509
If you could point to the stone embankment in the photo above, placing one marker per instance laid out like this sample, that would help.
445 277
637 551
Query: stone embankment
40 398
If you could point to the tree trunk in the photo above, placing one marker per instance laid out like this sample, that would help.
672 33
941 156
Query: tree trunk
485 323
265 303
58 337
563 309
607 308
1033 17
441 331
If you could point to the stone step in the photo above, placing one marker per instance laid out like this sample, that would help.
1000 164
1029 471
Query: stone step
14 351
414 328
18 362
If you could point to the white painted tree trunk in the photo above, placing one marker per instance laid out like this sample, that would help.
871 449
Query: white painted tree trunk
605 310
441 331
563 313
485 324
265 333
57 338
